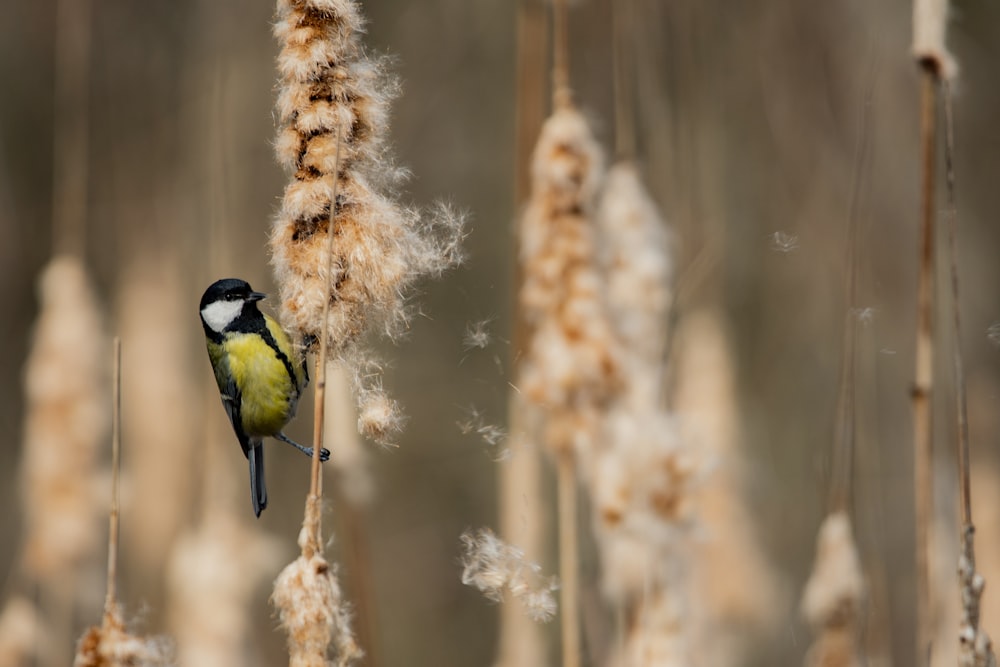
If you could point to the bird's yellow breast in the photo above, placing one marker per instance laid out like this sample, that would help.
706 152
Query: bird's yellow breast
268 395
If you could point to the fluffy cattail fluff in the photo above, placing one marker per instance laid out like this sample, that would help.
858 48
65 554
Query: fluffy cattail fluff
571 367
311 609
330 93
834 595
495 568
110 645
657 637
637 260
67 423
212 575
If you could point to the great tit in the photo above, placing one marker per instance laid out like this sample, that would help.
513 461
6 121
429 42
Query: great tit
259 373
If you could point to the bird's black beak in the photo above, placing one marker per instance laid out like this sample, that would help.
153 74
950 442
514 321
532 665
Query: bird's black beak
256 296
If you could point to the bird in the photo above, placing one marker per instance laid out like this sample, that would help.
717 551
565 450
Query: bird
259 372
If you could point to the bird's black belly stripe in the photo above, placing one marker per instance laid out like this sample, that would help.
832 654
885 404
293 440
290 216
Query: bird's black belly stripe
265 333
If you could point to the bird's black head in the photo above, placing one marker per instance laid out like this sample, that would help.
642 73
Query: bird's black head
226 301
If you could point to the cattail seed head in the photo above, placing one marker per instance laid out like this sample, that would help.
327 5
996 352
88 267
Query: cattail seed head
571 367
311 611
333 110
111 645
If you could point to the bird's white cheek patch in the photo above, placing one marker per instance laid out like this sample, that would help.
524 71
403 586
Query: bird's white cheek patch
220 314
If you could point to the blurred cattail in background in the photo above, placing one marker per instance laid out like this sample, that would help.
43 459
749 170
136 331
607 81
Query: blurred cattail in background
731 572
834 596
66 426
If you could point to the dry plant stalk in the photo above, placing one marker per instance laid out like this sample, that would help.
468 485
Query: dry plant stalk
975 646
834 596
924 366
331 93
66 423
521 507
936 64
110 644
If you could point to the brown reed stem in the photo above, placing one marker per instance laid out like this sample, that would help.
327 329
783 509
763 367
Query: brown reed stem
111 598
315 544
975 646
70 135
521 642
924 366
962 413
562 95
569 558
623 70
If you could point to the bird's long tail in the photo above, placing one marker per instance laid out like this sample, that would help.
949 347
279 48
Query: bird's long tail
258 492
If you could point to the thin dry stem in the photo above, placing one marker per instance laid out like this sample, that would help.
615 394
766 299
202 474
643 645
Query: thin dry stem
622 37
70 135
116 430
975 646
319 401
562 95
924 369
569 558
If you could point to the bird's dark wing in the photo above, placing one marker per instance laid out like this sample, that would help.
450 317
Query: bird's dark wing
232 399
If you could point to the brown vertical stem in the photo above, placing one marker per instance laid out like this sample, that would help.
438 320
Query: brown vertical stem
315 543
116 444
924 367
569 559
621 37
520 481
72 82
561 93
964 462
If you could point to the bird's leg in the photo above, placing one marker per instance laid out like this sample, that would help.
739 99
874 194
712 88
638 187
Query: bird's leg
324 453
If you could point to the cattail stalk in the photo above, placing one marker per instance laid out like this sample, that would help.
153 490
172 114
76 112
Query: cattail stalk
521 642
307 593
929 27
109 644
975 646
